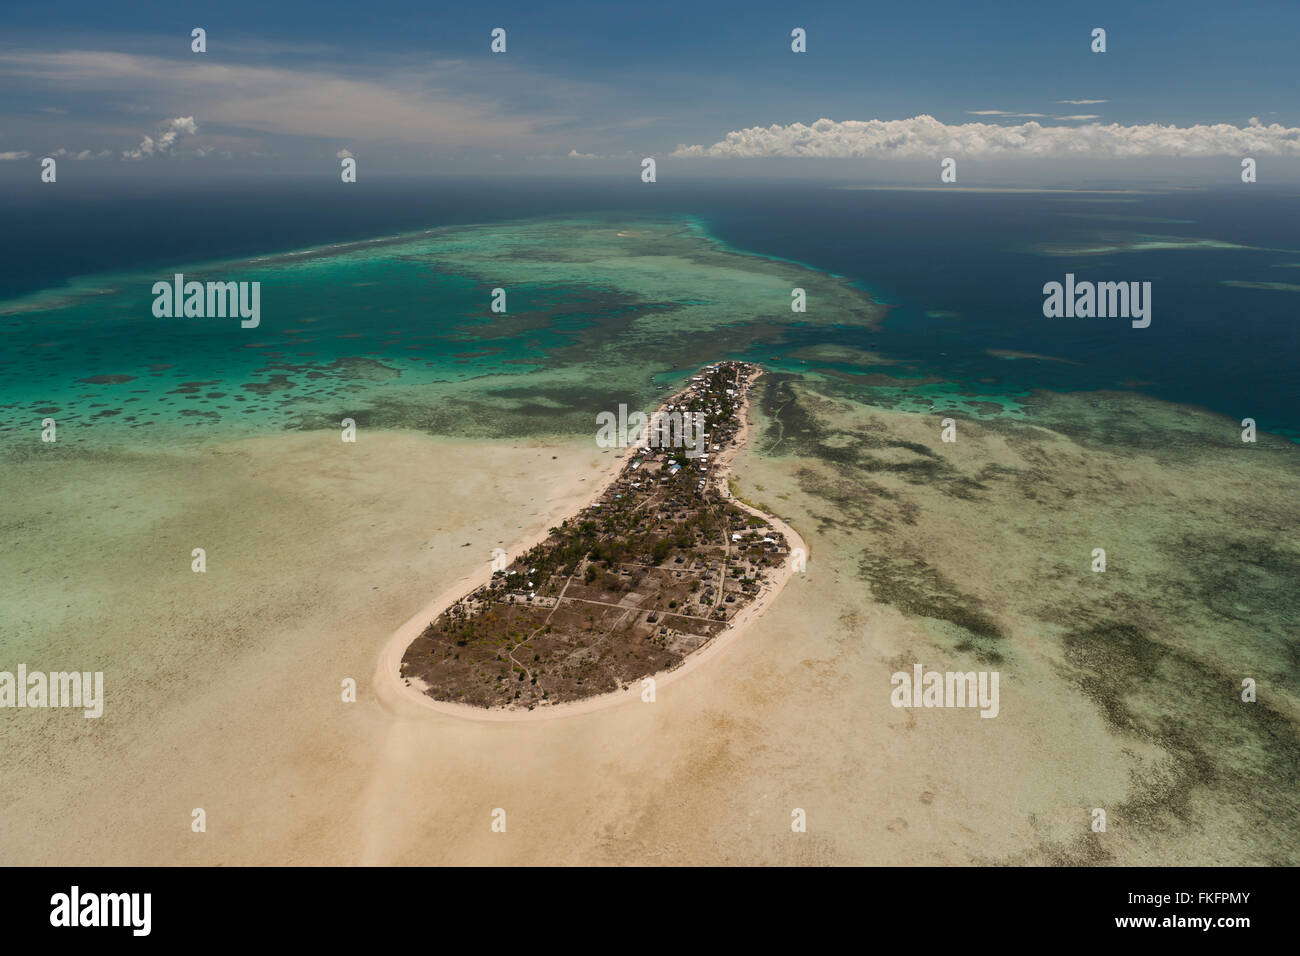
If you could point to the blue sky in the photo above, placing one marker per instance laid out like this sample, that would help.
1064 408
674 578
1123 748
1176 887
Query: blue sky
591 87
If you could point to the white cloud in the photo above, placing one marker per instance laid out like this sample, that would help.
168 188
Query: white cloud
84 154
1015 115
574 154
925 136
343 154
144 149
14 154
172 130
1082 102
175 127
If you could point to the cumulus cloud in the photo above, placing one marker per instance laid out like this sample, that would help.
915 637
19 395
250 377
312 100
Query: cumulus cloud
171 131
343 154
174 128
925 136
1083 102
14 154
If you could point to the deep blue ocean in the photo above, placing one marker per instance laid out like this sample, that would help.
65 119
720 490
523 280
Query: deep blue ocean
963 271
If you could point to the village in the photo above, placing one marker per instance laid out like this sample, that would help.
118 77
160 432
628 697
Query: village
650 572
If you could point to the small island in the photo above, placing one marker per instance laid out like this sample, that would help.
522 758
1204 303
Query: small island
661 563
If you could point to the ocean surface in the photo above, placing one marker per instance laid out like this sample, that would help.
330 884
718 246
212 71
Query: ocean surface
962 273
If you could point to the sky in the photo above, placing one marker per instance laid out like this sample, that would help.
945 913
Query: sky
1012 91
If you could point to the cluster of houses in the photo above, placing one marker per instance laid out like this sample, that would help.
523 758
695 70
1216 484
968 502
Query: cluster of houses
712 400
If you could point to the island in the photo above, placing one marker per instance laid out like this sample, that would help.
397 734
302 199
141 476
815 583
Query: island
660 563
